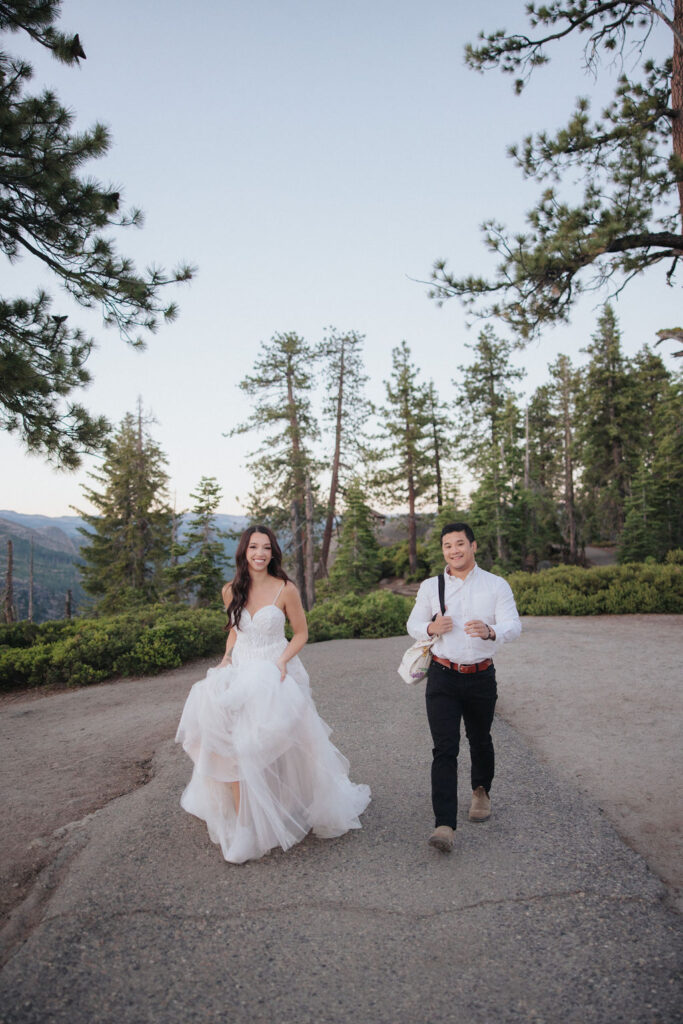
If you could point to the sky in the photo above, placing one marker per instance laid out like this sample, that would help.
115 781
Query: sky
313 159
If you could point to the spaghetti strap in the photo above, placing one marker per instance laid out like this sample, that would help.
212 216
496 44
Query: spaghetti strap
279 592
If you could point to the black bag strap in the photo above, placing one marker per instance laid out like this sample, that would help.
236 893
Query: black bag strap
442 595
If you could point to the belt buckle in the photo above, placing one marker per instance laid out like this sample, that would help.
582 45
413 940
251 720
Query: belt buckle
468 669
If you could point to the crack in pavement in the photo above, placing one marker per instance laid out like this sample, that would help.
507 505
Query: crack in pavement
345 908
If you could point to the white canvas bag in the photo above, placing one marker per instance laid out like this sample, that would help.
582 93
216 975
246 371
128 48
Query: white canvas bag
417 659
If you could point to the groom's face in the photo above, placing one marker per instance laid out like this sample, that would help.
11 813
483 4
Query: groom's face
458 552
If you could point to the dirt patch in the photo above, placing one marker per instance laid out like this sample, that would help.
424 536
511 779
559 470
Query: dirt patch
65 754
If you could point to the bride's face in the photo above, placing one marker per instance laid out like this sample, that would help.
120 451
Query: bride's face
259 552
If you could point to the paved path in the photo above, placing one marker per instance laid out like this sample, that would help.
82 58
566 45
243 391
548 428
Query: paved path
543 914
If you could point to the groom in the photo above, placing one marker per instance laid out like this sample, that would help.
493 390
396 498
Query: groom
461 684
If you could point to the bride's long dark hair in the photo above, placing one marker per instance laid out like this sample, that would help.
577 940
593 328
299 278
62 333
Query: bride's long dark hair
242 579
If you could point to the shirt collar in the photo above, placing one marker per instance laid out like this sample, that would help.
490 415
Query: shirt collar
457 579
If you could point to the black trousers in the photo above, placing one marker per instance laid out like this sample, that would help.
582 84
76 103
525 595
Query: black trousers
452 696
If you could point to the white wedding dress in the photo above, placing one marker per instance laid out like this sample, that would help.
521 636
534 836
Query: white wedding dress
243 723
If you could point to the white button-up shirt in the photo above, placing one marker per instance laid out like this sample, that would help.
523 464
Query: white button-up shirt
481 595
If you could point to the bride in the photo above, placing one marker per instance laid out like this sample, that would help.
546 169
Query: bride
265 772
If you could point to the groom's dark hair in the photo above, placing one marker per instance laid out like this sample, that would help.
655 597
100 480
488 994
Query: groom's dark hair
458 528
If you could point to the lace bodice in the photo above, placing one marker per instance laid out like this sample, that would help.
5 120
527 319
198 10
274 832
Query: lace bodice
261 636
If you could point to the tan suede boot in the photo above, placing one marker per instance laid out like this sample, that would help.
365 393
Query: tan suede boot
442 838
480 808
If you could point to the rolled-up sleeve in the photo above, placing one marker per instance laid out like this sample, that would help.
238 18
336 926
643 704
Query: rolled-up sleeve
422 613
508 624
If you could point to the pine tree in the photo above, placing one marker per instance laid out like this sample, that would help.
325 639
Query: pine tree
564 383
641 537
440 429
128 538
654 506
200 563
490 425
406 473
284 465
347 408
51 213
542 443
356 567
629 161
605 408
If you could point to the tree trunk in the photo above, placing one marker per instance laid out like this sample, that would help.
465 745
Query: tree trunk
437 469
569 487
677 95
334 483
30 584
9 584
412 522
412 526
526 448
500 549
297 537
299 499
67 605
310 555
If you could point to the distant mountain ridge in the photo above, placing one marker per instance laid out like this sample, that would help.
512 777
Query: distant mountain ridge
56 551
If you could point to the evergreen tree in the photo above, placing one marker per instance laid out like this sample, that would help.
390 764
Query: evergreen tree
200 563
284 466
128 538
654 507
641 537
542 443
490 424
606 434
406 474
440 429
629 161
51 213
347 408
565 382
356 567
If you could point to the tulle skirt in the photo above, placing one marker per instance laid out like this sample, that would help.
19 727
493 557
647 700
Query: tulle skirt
244 724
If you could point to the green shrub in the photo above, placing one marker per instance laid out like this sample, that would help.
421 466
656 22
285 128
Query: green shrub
395 561
378 614
83 651
631 588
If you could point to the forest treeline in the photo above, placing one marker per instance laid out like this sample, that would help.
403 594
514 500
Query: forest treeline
593 456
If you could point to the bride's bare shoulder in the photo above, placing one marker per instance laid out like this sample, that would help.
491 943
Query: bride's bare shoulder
227 593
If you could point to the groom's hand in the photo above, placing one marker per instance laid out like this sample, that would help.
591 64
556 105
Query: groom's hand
441 624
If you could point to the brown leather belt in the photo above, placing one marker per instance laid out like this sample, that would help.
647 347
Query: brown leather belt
479 666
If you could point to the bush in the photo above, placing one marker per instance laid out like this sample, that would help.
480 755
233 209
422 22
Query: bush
83 651
378 614
395 559
631 588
